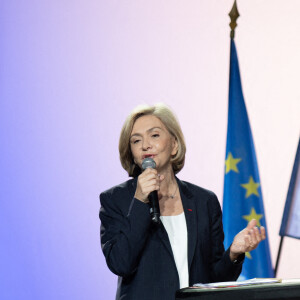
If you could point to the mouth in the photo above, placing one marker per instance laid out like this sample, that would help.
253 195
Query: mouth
148 155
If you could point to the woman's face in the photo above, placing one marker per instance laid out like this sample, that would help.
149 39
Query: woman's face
150 138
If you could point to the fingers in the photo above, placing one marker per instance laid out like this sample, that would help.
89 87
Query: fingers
254 238
148 182
251 224
263 232
256 235
248 239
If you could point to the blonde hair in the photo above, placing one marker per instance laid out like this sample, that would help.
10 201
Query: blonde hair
166 116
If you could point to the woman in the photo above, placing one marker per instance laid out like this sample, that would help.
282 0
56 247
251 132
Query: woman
152 261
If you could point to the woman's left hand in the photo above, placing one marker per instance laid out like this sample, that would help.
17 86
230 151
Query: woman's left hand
247 239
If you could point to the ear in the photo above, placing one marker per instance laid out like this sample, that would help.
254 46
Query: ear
175 146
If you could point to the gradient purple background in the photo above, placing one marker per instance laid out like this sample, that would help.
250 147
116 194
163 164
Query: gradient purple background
71 71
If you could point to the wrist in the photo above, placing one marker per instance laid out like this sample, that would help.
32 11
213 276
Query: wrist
140 197
233 256
239 259
236 258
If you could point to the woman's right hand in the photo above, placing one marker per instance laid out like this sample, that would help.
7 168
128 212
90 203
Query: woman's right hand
147 182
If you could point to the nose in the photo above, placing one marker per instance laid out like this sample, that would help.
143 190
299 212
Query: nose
146 144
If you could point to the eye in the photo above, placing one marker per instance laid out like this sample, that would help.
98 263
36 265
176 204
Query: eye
135 141
155 135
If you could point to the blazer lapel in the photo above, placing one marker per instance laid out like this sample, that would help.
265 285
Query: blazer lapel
163 235
190 212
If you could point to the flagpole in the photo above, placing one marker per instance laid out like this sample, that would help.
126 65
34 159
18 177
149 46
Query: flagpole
287 223
278 256
234 14
240 204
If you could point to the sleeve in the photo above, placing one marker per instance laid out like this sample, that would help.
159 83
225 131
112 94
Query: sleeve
222 268
123 236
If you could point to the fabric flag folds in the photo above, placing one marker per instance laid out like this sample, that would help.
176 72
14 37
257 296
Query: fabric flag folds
290 224
242 199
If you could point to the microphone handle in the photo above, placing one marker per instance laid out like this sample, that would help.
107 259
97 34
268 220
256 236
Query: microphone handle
154 207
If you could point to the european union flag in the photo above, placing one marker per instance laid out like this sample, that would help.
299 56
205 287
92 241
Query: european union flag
290 225
242 200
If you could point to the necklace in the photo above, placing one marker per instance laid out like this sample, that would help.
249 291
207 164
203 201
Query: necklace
173 196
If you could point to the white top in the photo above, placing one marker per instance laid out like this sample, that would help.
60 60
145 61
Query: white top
177 232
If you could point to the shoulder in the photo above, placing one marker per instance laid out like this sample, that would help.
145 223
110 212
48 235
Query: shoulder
118 197
122 190
196 190
203 198
205 201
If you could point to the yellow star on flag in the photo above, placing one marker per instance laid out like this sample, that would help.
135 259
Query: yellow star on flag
248 255
251 187
253 215
231 163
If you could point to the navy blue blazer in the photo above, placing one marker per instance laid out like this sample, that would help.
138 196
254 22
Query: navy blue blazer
140 253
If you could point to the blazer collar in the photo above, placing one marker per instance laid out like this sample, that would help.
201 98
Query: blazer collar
132 186
190 211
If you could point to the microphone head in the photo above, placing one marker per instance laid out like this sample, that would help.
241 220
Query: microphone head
148 162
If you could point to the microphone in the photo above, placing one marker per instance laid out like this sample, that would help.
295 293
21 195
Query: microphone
148 162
